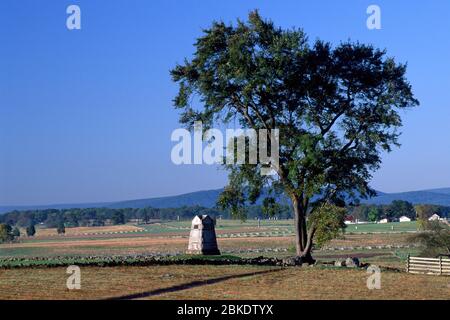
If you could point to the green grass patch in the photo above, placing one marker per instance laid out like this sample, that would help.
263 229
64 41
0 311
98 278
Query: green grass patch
382 227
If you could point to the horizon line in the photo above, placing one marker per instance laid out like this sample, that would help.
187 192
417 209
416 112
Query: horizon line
168 196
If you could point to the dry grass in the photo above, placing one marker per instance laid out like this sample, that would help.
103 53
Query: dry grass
289 283
129 245
150 241
125 244
45 232
144 244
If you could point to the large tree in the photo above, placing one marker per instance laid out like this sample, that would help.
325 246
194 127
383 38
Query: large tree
336 109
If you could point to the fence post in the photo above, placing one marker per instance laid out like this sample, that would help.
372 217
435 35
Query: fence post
407 264
440 265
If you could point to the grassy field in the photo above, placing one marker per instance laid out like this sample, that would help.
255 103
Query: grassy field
218 282
241 246
46 232
383 227
274 238
222 227
288 225
381 244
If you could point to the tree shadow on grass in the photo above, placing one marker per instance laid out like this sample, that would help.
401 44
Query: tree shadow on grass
190 285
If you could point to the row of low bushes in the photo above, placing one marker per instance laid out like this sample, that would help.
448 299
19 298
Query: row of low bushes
149 260
138 260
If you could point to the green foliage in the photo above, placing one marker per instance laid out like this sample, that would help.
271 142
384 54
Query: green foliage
336 108
435 239
423 212
117 260
399 208
374 214
16 232
233 198
98 216
118 218
31 230
270 207
6 234
361 212
395 210
329 223
61 228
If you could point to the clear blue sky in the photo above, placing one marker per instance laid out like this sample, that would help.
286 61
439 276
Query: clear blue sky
86 115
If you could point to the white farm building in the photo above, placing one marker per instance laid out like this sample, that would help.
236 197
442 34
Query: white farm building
434 217
404 219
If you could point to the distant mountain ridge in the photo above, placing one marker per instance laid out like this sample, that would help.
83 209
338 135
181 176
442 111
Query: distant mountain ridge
207 198
432 196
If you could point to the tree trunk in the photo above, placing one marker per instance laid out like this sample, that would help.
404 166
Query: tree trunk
303 238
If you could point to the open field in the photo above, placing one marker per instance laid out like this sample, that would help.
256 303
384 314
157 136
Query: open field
245 247
46 232
353 228
383 227
287 225
274 238
374 244
133 245
218 282
223 227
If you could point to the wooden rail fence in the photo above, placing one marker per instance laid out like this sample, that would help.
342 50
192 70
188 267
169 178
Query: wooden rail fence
437 266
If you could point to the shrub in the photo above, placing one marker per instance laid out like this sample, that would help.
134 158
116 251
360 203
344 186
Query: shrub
31 230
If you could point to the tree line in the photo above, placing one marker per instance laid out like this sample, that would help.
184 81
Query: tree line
395 210
79 217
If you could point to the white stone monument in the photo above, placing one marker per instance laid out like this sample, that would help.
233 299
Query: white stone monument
202 239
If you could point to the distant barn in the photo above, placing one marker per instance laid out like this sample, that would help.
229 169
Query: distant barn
202 239
434 217
404 219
